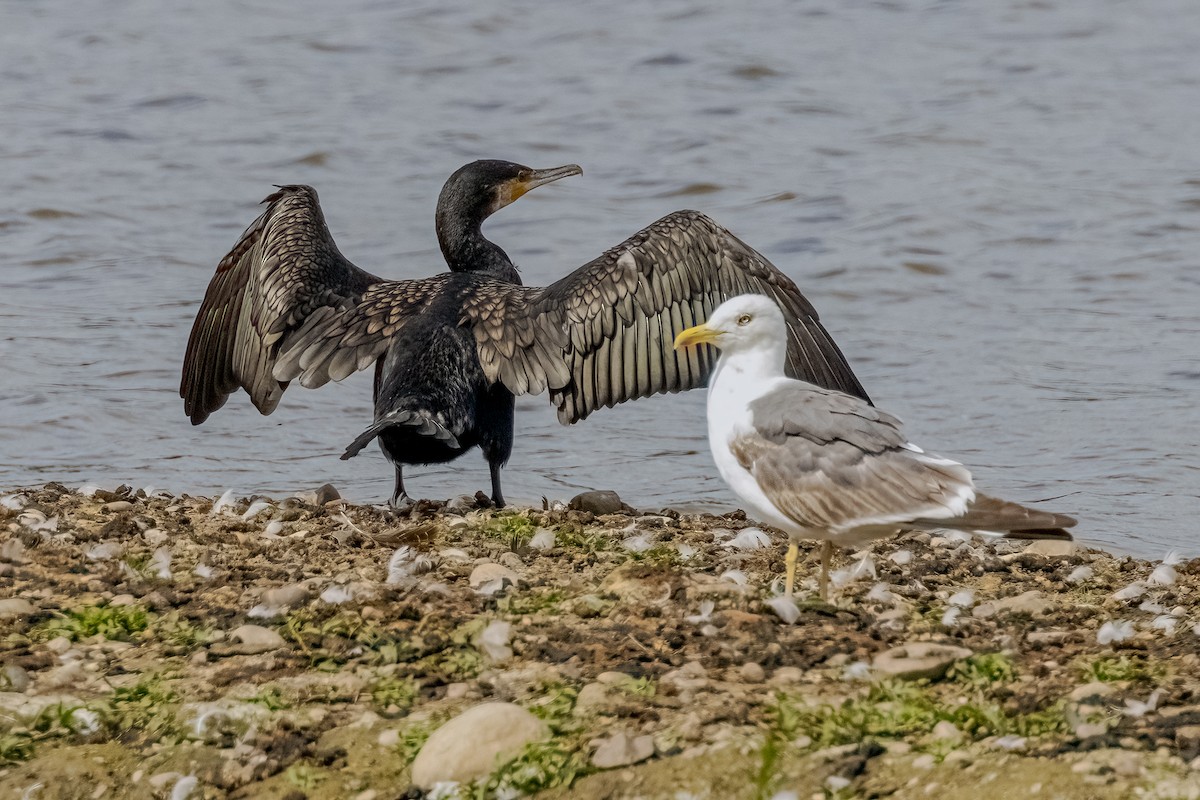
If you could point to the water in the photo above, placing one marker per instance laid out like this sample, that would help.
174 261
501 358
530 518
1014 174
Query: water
993 205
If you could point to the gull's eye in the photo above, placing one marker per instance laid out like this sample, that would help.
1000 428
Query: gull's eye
744 319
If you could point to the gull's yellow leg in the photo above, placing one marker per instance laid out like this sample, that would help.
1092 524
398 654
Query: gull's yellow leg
790 559
826 555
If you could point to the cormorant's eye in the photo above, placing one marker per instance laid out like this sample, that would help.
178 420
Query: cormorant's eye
744 319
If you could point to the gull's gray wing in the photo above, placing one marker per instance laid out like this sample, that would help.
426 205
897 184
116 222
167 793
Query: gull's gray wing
829 461
284 268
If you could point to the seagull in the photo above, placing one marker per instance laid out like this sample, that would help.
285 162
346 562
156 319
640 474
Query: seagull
821 464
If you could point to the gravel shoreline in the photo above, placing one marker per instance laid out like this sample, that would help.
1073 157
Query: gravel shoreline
187 647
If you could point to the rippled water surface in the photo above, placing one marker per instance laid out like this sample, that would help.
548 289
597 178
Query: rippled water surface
994 206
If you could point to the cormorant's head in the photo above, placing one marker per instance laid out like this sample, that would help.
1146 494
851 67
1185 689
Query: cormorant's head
481 188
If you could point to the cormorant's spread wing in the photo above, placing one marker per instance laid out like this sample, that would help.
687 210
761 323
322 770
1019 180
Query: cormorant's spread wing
283 269
335 342
604 334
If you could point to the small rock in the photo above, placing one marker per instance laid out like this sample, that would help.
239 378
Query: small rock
1047 637
1187 739
291 595
1090 691
917 660
460 504
256 639
389 737
470 745
1052 548
946 731
123 600
163 779
327 494
1127 764
489 572
15 607
752 672
612 678
599 502
59 644
621 749
13 678
116 506
785 676
1087 730
592 695
1031 602
924 761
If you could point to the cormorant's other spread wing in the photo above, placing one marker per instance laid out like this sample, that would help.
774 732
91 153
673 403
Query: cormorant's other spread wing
611 323
601 335
284 267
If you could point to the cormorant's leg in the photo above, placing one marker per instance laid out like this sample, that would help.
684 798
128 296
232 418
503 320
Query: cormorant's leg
400 498
792 552
497 496
826 554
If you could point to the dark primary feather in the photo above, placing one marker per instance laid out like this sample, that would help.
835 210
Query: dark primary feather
599 336
284 268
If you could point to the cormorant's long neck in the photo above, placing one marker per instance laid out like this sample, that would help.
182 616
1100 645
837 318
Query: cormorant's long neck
466 249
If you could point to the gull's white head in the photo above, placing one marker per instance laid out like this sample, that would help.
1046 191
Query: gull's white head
745 322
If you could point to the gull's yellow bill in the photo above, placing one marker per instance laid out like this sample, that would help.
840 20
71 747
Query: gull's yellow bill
698 334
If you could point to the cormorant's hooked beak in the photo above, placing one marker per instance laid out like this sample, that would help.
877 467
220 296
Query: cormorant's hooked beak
517 187
700 334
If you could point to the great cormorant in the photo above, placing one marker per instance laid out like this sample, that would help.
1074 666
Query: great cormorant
451 351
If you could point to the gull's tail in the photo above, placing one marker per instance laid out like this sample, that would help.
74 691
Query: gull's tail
1007 519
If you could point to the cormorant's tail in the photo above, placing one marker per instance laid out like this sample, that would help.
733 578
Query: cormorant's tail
1008 519
420 423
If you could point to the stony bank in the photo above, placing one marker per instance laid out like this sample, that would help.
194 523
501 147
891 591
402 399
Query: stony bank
187 647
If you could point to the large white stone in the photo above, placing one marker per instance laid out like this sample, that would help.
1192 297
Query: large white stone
475 742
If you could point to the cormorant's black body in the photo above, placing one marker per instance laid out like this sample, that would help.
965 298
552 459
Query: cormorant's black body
451 351
432 370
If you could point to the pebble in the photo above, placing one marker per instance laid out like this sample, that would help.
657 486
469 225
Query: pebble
1090 691
14 678
617 678
592 695
489 572
784 676
599 502
327 494
15 607
123 600
1187 738
946 731
1127 764
752 672
1087 730
117 506
59 644
1052 548
389 737
621 749
924 761
917 660
470 745
1032 602
256 639
292 594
